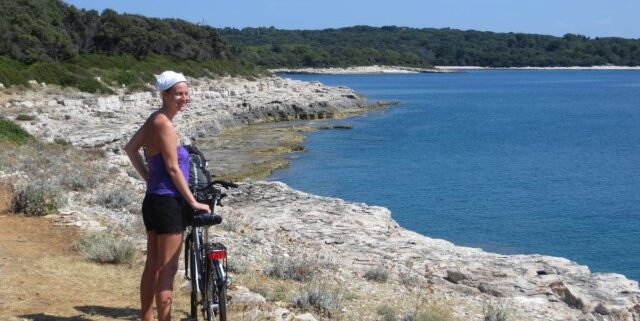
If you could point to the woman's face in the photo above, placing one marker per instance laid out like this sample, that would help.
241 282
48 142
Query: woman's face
177 96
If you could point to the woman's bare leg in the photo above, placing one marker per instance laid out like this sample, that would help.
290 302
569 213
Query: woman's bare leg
168 254
149 278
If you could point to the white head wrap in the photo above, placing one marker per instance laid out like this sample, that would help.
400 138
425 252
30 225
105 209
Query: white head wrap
167 79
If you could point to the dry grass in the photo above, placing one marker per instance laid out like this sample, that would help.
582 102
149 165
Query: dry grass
6 194
43 278
329 298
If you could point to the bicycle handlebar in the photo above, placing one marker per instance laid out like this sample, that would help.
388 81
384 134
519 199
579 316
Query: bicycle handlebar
214 195
222 183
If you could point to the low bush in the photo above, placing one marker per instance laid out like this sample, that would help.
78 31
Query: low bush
105 247
12 132
11 72
387 313
378 274
24 117
66 75
76 180
96 72
61 141
430 311
37 198
496 312
299 269
115 199
321 301
409 280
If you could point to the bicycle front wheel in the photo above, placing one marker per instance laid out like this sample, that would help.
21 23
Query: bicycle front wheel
194 284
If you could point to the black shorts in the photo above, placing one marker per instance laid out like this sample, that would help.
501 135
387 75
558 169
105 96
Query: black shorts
163 214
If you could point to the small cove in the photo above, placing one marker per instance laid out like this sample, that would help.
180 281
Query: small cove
513 162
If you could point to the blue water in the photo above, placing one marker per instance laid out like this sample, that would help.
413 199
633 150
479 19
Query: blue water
509 161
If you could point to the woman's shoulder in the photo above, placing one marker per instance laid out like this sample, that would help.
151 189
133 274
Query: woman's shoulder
159 121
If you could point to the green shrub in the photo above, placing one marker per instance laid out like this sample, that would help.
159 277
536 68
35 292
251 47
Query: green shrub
66 75
105 247
322 301
387 313
409 280
14 133
299 269
37 198
80 179
115 199
24 117
378 274
116 70
12 72
61 141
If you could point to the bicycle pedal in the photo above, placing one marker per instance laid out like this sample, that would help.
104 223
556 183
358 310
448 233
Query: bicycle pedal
227 282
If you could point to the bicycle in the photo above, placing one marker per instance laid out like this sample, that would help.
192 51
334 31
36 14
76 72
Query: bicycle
206 262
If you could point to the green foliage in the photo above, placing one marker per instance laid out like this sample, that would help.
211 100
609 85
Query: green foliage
12 72
25 117
105 247
37 198
390 45
55 43
66 75
13 133
50 30
97 73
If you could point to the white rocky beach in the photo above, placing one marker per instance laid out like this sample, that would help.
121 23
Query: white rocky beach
381 69
269 219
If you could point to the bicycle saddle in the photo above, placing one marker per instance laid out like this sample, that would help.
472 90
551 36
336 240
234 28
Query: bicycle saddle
206 219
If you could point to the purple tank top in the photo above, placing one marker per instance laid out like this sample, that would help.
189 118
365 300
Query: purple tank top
159 180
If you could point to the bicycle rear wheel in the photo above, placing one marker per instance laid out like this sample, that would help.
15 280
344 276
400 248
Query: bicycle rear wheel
216 294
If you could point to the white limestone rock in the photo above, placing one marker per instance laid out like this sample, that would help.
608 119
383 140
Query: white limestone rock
241 296
546 287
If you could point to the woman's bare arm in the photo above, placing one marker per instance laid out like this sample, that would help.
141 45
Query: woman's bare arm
132 148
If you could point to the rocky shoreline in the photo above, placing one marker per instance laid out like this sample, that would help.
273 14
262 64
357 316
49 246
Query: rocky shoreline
269 219
375 69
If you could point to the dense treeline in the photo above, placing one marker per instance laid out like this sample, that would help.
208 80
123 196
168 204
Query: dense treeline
50 30
55 43
364 45
52 42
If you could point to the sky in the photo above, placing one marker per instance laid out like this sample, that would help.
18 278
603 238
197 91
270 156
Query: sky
592 18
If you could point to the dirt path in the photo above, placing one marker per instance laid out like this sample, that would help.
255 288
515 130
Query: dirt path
42 278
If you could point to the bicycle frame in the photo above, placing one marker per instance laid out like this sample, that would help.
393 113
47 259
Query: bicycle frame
206 264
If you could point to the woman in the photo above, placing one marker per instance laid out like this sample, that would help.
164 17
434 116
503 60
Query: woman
167 191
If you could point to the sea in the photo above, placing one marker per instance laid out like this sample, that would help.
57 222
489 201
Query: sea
510 161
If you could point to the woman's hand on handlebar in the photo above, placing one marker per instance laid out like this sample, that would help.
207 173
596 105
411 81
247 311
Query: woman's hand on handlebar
201 208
